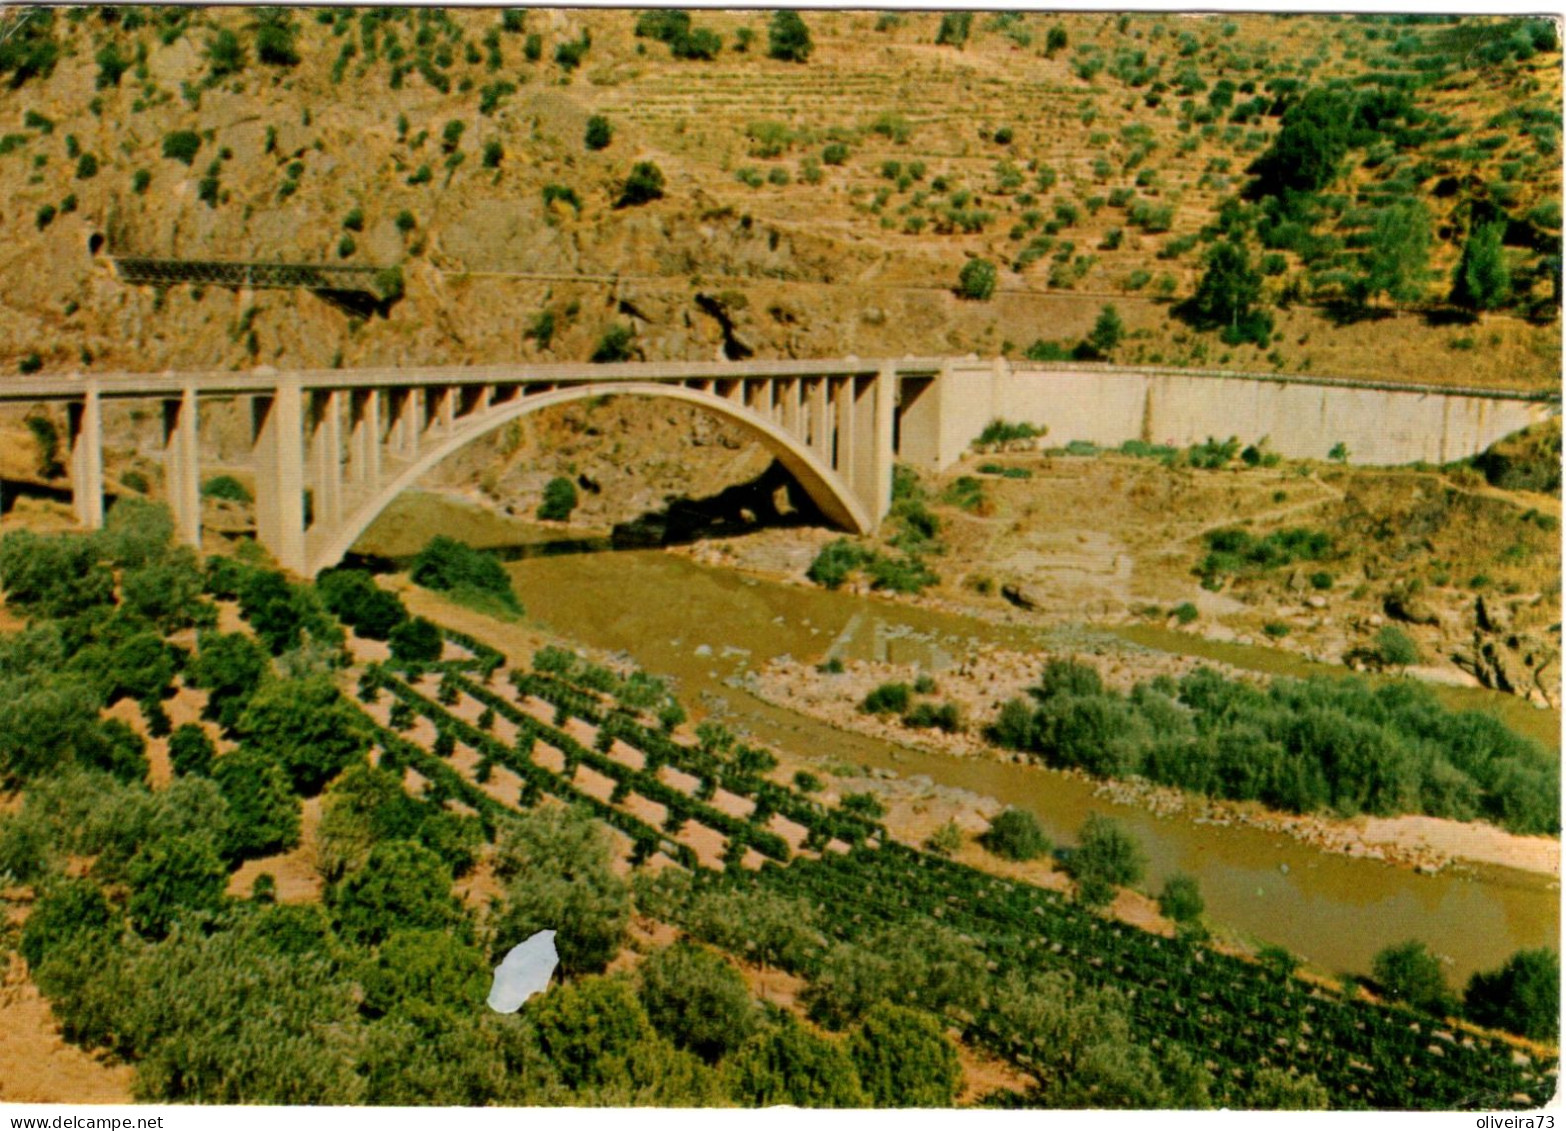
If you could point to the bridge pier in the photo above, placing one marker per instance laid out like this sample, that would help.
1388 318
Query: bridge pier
278 439
364 437
182 466
84 421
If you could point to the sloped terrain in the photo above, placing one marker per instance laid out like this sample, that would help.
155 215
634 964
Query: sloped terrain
808 209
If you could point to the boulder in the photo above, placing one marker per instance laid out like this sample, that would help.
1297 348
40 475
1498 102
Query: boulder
1492 615
1022 595
1410 610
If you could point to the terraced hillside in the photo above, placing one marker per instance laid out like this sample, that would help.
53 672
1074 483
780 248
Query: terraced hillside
361 864
820 207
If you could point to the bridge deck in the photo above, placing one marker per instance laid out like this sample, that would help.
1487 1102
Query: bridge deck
66 387
217 382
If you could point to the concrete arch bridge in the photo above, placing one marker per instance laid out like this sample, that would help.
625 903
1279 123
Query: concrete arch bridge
354 439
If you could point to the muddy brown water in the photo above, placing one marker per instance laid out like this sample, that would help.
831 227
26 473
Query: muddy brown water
708 627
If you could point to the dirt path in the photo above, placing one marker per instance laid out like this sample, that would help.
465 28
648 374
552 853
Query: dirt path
37 1066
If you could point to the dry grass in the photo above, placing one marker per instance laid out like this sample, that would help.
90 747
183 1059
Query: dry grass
824 268
36 1064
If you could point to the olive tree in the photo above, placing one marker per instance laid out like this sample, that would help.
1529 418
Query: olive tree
905 1059
307 728
697 1000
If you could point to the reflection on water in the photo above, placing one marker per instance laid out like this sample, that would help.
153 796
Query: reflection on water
708 627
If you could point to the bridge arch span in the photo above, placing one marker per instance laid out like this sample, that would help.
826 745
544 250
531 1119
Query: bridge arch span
826 488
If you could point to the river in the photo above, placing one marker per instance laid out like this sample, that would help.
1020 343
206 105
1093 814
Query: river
707 627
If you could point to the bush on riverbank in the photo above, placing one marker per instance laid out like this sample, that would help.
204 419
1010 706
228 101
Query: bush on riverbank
1299 745
466 575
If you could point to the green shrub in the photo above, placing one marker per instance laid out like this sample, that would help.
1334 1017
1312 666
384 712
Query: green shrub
556 865
946 840
1016 834
226 55
599 132
835 561
954 29
173 876
1106 857
225 487
1395 648
191 750
999 431
182 145
977 280
353 597
569 55
562 193
788 38
1522 996
865 805
616 344
416 640
697 999
447 565
1181 899
306 727
645 183
402 886
559 500
888 699
699 43
929 716
275 40
1410 973
663 24
905 1059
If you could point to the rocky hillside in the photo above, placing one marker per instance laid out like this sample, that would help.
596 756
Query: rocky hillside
806 208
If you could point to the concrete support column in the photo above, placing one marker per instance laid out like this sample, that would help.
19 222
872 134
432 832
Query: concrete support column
360 427
878 487
329 465
861 468
791 408
821 419
372 438
843 402
181 466
280 474
445 407
85 424
407 422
